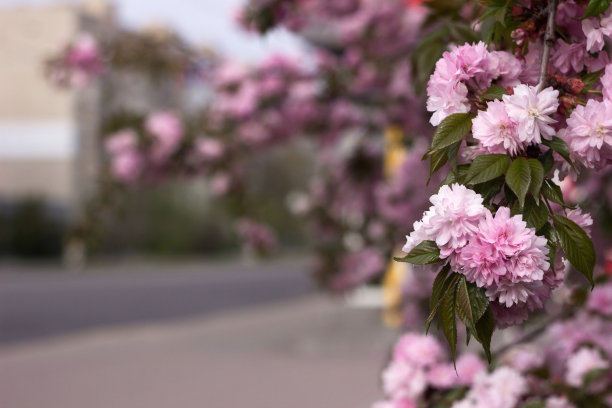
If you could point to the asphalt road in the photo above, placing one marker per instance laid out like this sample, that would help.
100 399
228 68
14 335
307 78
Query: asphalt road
42 302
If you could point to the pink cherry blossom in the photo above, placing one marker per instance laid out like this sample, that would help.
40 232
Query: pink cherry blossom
568 58
595 30
403 403
523 358
357 268
468 367
417 349
584 220
442 376
531 110
503 253
502 388
127 166
495 131
402 380
167 129
209 149
125 139
558 402
581 363
451 220
600 300
589 133
445 98
606 82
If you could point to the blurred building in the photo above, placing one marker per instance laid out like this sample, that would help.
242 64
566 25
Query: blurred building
49 138
43 134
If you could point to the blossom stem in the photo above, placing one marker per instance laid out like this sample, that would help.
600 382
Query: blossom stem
549 41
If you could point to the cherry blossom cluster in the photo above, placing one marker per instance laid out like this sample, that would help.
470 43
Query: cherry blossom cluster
79 62
568 366
136 157
464 71
497 252
420 373
256 237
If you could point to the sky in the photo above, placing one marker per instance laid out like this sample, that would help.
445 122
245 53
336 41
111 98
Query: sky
206 22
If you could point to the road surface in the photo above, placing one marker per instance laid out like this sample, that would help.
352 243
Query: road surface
213 337
42 302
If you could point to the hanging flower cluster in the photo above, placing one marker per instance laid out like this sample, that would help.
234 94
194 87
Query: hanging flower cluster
499 225
570 366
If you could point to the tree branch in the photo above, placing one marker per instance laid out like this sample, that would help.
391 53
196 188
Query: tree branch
549 41
531 335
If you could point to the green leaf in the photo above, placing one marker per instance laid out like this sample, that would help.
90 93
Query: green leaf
438 286
576 245
559 146
462 170
451 130
487 167
484 328
594 375
535 404
494 92
471 302
596 7
449 282
535 215
547 161
549 232
537 178
427 252
437 160
518 178
448 320
590 79
490 189
452 152
552 192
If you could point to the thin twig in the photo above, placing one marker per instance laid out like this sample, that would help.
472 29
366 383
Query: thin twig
529 335
549 41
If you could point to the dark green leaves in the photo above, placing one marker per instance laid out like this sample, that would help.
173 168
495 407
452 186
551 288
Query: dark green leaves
471 303
494 92
577 245
559 146
596 7
437 160
448 320
451 130
552 192
487 167
590 79
426 252
534 214
453 296
518 178
537 178
484 330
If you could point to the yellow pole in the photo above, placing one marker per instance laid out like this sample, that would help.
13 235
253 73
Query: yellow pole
396 272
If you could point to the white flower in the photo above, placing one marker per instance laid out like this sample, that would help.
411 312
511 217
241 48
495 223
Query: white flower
530 110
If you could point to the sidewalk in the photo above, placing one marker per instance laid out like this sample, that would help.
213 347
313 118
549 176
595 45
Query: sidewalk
306 353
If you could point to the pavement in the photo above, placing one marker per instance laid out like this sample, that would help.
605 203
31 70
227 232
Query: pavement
301 350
